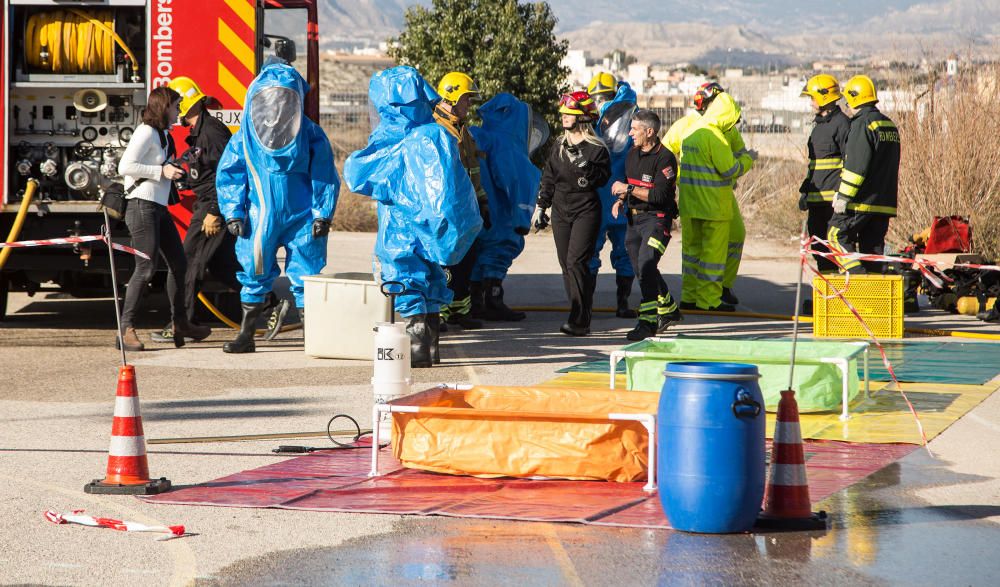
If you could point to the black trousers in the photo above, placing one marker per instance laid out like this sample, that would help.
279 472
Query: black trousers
859 233
646 241
575 233
460 276
818 224
153 232
216 253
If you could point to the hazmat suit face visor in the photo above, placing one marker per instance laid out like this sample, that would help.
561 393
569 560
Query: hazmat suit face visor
276 116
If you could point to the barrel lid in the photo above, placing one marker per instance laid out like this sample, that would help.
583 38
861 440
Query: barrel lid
710 370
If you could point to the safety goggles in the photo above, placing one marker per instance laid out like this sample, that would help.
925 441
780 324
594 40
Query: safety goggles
569 102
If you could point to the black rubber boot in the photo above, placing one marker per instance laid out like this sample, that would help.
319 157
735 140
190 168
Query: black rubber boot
496 310
728 297
421 339
624 291
642 331
277 319
434 323
478 304
243 343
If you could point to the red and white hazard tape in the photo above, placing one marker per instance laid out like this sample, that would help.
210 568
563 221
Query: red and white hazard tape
77 517
73 240
805 252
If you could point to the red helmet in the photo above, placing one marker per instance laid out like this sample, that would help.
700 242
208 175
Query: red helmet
705 94
580 104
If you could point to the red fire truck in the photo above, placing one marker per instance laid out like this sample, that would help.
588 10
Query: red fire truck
76 74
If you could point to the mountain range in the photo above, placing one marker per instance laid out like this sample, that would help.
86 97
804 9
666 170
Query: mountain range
736 33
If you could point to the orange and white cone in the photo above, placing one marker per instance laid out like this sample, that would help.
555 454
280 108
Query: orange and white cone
128 469
787 505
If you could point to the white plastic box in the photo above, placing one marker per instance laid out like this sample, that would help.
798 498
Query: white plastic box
341 312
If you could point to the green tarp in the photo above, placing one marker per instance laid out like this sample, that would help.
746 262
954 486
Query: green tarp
818 387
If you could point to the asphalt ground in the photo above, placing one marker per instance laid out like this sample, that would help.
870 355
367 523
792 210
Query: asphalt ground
928 520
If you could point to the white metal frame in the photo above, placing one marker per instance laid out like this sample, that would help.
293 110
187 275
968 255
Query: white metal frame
842 363
648 422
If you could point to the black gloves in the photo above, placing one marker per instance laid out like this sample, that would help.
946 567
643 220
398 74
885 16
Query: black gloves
522 230
236 227
321 227
804 202
541 219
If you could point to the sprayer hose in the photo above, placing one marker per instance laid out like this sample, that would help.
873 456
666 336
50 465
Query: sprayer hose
73 41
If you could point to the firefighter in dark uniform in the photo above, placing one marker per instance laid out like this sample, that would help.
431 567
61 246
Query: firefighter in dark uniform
827 144
648 200
457 90
866 197
579 163
207 243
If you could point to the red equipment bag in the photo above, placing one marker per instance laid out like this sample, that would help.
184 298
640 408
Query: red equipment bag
949 234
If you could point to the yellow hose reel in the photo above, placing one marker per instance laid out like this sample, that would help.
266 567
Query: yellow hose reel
73 41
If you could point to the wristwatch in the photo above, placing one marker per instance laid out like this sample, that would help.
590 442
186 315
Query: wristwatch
629 190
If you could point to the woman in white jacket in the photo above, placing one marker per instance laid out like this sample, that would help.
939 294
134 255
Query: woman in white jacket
149 177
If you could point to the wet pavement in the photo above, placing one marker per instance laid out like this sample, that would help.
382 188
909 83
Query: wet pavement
879 534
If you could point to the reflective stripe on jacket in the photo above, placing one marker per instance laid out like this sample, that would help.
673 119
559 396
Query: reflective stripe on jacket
827 144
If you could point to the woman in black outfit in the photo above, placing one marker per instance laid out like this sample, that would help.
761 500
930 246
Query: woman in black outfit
148 180
578 164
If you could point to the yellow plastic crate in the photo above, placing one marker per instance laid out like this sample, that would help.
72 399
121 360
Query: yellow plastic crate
877 298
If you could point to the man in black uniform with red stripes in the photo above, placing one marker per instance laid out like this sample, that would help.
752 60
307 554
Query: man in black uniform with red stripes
648 199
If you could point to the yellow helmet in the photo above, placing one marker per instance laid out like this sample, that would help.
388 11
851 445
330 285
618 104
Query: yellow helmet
860 90
602 83
189 91
455 85
823 88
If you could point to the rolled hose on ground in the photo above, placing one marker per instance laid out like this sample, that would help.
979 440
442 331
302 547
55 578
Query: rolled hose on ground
22 213
807 319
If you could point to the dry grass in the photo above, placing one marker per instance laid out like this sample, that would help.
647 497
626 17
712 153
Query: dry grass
951 160
354 213
769 196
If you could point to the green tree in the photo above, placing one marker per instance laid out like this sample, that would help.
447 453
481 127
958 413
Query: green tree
504 45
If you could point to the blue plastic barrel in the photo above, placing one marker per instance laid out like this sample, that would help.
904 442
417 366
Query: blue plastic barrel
710 446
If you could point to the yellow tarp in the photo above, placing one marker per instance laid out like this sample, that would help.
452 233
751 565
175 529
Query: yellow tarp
884 418
492 431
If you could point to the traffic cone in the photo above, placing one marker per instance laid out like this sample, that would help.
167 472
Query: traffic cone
128 470
787 505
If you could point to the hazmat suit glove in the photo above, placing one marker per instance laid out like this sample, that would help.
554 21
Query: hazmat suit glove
522 230
839 204
803 202
236 227
321 227
540 220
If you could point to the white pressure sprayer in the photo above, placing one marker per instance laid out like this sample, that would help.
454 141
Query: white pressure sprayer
391 377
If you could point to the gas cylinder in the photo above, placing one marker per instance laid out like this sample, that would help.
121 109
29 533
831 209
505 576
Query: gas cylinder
391 378
969 305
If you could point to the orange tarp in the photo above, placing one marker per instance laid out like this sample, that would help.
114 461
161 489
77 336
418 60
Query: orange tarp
493 431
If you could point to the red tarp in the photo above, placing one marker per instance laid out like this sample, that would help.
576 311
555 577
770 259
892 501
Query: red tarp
337 481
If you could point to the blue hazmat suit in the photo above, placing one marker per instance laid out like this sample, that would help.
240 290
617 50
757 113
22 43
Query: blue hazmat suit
428 216
277 175
619 144
510 180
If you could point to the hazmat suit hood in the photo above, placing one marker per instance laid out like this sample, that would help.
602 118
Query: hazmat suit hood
274 117
507 116
412 168
723 113
616 120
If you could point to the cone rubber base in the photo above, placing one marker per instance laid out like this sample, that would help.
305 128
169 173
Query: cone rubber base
816 521
154 487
